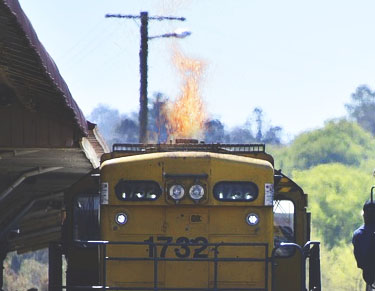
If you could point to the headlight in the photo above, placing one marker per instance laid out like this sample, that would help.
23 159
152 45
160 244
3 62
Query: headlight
177 192
252 219
196 192
121 218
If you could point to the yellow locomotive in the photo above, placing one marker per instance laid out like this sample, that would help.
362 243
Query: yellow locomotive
188 216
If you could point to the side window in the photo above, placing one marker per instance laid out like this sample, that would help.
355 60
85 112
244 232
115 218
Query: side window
284 216
86 217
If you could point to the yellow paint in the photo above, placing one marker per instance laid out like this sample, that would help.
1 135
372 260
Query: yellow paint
210 219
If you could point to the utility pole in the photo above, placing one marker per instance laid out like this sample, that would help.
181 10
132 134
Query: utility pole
143 54
143 99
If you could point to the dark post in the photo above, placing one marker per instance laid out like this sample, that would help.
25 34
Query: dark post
2 258
3 255
54 267
314 271
143 111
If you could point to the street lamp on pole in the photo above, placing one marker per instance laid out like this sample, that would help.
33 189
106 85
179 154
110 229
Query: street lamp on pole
143 54
176 34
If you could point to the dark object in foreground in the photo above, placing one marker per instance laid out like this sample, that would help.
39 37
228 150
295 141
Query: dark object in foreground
364 242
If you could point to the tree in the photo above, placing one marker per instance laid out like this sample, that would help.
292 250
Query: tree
127 130
266 133
362 108
336 196
334 166
157 119
26 271
214 131
240 135
273 135
339 141
107 120
258 112
337 193
339 271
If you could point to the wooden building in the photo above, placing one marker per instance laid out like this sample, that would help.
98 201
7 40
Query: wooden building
46 144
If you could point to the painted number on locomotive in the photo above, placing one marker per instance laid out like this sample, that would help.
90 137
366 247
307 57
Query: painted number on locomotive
184 250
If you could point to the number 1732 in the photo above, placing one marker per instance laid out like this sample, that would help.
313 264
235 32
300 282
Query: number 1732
183 250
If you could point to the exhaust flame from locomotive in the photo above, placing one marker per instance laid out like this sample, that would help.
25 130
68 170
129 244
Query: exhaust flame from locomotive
187 115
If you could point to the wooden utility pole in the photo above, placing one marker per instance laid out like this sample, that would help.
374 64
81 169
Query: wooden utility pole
143 54
143 99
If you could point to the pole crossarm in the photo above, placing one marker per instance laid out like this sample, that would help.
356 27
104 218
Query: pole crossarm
159 18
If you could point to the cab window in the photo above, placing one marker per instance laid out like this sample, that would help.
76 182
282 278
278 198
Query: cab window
86 217
235 191
284 226
137 190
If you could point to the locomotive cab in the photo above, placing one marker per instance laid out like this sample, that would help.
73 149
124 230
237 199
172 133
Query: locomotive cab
185 217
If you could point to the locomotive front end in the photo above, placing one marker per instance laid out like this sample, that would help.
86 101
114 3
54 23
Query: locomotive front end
186 219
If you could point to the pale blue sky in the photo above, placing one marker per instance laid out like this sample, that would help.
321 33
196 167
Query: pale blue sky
298 60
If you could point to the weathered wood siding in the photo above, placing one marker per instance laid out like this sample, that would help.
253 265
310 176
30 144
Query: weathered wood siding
23 128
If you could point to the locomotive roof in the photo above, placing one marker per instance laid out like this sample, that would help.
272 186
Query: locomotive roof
184 147
248 150
186 155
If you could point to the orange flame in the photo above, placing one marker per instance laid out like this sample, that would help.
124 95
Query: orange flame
187 114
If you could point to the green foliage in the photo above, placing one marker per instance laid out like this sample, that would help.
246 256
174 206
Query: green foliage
340 141
339 271
337 193
30 274
334 165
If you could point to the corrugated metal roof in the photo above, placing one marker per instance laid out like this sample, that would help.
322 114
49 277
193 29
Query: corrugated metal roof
27 56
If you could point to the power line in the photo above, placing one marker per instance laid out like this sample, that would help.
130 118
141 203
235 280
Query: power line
83 38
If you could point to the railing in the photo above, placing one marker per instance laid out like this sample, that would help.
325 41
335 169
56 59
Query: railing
228 148
215 260
310 250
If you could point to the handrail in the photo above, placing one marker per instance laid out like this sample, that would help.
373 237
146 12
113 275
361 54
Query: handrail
304 255
215 260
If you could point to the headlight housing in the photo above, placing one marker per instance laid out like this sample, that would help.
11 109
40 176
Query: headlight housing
177 192
252 219
196 192
121 218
